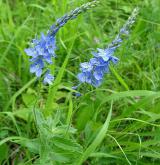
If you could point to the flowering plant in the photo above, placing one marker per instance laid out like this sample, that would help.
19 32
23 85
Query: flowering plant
43 50
92 72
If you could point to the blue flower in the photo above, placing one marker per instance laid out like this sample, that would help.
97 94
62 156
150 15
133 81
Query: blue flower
48 78
86 66
85 77
92 72
41 53
43 50
37 67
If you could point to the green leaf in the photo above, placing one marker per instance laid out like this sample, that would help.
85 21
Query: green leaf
33 145
29 99
24 113
67 144
3 152
97 141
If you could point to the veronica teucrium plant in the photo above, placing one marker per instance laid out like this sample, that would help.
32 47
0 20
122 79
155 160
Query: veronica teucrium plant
92 72
42 50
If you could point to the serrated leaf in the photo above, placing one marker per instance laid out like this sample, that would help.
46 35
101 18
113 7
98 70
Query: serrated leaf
67 144
33 145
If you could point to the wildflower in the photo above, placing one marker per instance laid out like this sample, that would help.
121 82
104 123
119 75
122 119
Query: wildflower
48 78
70 16
37 67
43 50
41 54
92 72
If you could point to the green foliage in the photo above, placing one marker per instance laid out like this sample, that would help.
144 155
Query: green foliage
3 152
115 124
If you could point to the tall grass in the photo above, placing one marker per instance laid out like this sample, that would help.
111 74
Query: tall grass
116 123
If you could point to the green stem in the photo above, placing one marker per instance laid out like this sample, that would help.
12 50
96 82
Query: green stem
53 89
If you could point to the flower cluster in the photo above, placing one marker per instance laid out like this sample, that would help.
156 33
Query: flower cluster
124 31
41 53
43 50
70 16
92 72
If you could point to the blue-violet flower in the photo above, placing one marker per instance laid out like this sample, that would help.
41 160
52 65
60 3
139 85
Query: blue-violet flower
43 50
92 72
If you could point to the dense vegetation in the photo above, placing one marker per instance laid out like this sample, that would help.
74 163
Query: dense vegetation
115 124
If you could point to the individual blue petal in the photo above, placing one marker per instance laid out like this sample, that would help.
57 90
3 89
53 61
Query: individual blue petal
109 51
38 72
94 61
37 67
40 63
48 59
50 40
39 50
98 75
33 68
86 66
114 59
43 37
51 51
85 77
105 68
30 52
88 77
48 78
81 77
101 50
103 54
105 58
96 83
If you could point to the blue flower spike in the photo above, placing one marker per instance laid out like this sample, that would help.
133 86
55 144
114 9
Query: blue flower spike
43 50
92 72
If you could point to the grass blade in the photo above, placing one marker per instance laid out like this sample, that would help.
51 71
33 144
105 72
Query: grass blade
97 141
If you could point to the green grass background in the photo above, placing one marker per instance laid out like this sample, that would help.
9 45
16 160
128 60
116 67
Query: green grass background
115 124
